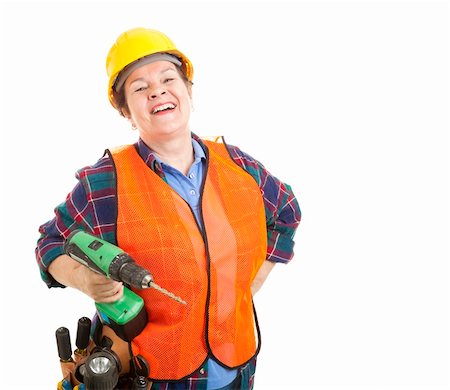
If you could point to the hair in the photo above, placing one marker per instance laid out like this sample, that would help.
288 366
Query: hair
120 100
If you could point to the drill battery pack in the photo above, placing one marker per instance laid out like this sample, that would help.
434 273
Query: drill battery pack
127 316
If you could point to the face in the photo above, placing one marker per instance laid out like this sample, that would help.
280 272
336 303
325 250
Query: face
159 101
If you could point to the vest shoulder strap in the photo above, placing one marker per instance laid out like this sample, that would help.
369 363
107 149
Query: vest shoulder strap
217 145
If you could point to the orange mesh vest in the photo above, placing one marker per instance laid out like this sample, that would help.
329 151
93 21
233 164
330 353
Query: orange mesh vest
212 271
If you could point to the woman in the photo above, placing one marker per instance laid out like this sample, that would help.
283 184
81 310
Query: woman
205 218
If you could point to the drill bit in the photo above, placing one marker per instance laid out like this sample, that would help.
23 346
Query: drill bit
165 292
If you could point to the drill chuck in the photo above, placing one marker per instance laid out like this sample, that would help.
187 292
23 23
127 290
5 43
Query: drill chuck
135 276
124 269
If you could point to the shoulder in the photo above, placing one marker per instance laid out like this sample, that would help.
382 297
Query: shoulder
237 155
240 156
247 162
101 172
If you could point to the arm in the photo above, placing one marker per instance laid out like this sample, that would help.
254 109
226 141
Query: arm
262 275
73 274
84 208
283 214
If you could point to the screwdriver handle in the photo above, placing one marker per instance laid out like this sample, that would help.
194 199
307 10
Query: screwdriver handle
83 333
63 342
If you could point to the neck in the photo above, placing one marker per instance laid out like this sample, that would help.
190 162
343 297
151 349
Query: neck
177 153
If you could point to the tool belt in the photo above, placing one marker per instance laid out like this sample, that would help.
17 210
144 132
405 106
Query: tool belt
102 363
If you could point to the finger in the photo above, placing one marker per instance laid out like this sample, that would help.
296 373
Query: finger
113 296
96 278
109 290
106 286
98 286
93 278
100 292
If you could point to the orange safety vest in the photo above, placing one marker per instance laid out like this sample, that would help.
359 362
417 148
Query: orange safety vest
211 270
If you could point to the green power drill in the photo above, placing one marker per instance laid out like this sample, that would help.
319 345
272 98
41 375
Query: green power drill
127 316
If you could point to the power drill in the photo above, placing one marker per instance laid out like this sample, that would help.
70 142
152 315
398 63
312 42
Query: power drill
127 316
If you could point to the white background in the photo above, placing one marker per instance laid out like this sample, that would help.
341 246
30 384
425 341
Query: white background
345 101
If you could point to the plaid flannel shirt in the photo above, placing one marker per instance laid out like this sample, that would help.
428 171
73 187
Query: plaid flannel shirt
92 206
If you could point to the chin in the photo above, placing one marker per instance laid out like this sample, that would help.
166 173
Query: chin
171 130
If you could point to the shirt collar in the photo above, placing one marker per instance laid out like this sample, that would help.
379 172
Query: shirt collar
153 162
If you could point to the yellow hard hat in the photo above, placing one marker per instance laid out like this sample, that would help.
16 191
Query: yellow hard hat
135 44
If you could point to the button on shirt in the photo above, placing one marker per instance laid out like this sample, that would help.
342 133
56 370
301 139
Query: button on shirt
188 187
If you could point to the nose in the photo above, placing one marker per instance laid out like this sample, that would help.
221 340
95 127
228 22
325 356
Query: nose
156 92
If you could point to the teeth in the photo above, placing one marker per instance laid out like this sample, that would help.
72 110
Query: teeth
163 107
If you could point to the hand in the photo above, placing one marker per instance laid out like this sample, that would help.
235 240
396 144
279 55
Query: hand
262 275
98 287
73 274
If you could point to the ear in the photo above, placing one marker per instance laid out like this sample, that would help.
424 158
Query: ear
128 116
189 88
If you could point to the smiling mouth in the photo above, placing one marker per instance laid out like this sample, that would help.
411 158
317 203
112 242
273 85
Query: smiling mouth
163 108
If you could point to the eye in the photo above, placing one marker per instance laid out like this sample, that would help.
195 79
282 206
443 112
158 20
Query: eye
140 89
168 80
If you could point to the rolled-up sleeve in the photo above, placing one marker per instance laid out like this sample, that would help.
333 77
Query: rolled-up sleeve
90 206
74 212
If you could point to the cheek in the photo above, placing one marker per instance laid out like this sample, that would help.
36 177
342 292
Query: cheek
187 101
137 107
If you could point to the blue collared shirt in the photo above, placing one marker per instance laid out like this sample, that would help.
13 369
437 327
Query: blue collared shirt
188 187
